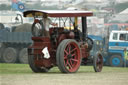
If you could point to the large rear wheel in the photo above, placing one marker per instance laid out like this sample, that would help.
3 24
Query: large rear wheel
68 56
34 67
98 62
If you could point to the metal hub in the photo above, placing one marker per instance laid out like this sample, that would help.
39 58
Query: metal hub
69 56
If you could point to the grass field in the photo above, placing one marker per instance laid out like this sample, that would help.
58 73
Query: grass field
21 74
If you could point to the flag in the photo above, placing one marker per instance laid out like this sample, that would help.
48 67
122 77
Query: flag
21 6
18 5
14 1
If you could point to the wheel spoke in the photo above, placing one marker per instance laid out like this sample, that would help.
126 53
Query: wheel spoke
75 60
69 48
66 52
70 67
98 61
73 50
74 54
71 63
65 57
66 62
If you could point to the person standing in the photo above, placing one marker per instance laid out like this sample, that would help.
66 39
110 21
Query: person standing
125 56
47 22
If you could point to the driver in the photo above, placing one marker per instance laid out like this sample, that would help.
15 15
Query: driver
47 22
122 37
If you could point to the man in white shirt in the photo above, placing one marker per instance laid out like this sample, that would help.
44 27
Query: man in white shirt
47 22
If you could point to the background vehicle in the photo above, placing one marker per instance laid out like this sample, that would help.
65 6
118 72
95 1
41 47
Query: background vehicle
118 42
15 37
13 45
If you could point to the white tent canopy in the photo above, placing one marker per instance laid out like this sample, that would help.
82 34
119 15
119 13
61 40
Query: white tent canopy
124 11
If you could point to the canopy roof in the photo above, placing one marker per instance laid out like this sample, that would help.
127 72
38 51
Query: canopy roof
57 13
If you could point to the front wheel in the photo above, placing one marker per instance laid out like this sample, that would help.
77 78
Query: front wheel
34 67
98 62
68 56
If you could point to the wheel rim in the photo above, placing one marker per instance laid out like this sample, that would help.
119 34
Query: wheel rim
99 63
116 61
72 57
9 58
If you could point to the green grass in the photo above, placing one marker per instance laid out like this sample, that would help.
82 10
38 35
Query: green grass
14 69
21 74
20 69
25 69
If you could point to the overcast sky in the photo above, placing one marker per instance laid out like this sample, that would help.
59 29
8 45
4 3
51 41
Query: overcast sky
120 1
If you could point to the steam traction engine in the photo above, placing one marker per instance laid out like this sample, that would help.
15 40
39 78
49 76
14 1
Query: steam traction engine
64 48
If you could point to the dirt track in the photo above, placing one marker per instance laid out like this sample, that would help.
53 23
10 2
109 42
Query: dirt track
109 77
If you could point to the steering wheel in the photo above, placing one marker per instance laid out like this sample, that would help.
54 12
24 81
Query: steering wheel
37 28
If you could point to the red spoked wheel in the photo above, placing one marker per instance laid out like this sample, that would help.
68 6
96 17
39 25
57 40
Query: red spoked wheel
68 56
98 62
